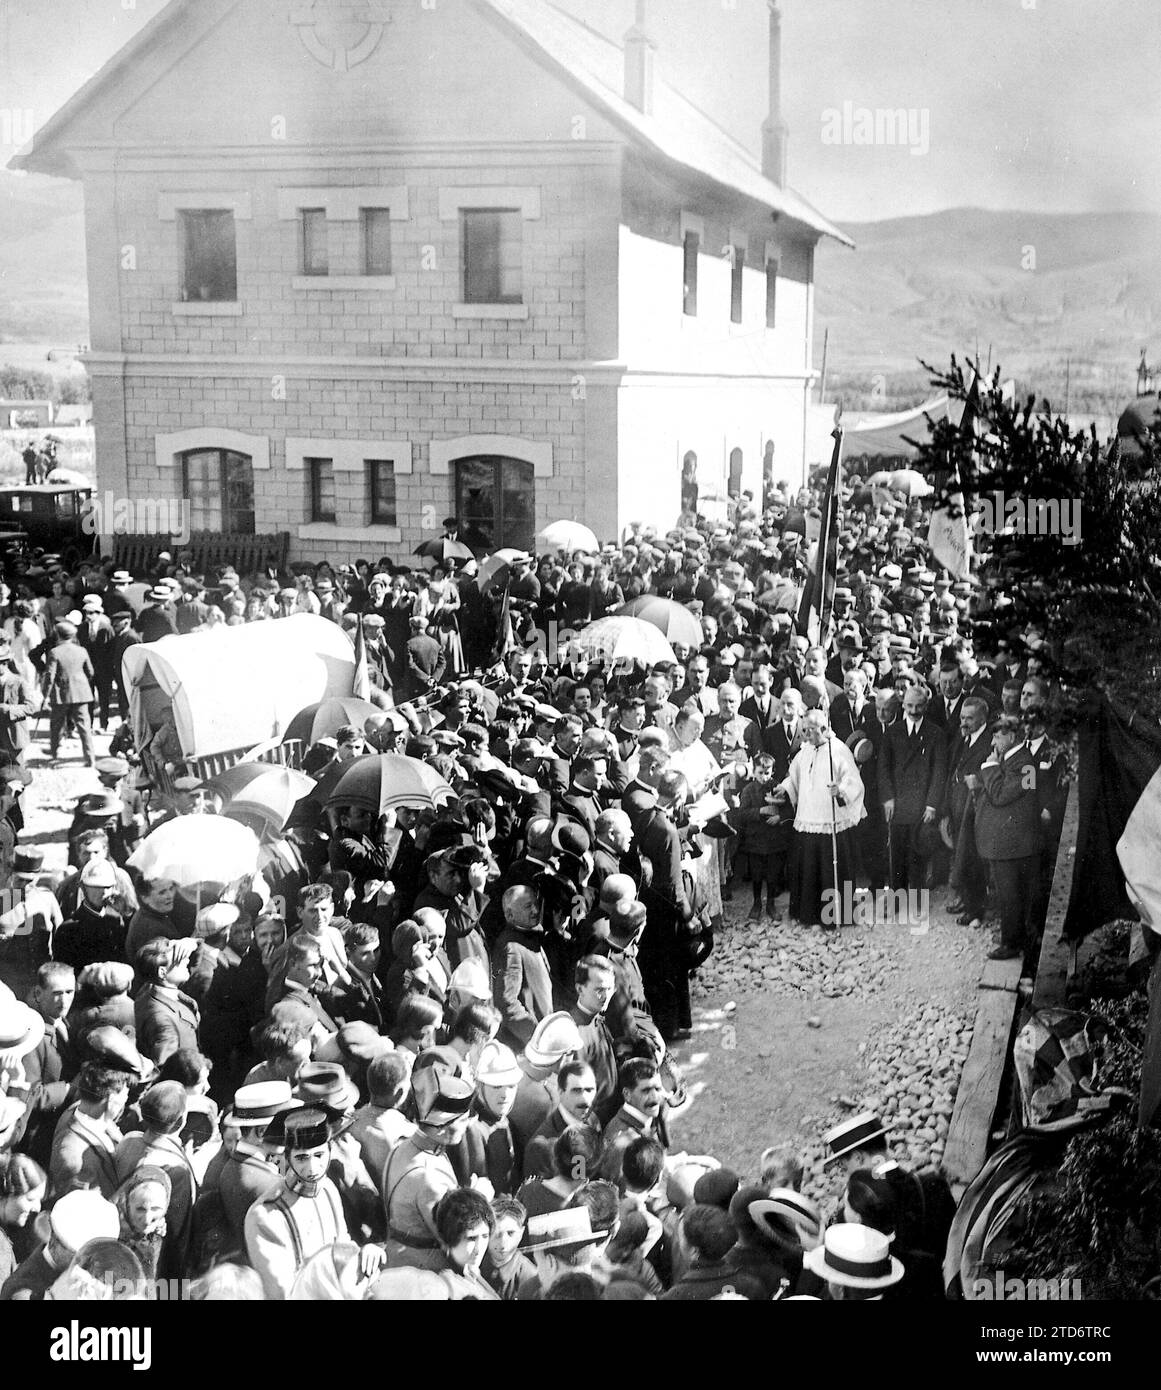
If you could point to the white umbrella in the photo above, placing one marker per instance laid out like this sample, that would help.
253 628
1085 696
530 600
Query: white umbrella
568 536
197 849
914 484
621 639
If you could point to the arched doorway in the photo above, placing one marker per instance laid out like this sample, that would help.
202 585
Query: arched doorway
219 485
497 496
689 486
735 488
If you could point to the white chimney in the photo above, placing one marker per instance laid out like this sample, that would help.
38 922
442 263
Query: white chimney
639 57
775 132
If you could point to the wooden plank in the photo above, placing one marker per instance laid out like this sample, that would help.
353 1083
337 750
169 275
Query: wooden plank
979 1087
1001 974
1056 955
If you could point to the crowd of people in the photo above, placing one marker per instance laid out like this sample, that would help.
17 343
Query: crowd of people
427 1053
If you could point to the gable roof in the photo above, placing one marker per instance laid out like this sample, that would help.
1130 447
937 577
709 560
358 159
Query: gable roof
677 131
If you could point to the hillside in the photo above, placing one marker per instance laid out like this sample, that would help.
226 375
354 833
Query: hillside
43 295
923 287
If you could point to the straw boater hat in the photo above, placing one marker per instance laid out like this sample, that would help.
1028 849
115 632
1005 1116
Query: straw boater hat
21 1028
257 1104
853 1134
856 1257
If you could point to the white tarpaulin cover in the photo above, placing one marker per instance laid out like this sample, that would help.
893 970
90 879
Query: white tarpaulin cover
233 687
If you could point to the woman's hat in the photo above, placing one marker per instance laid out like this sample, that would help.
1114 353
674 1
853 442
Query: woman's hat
81 1216
853 1134
470 977
497 1066
553 1039
21 1028
857 1257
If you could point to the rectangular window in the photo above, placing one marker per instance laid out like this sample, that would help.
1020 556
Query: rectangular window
209 257
737 279
771 294
322 489
376 241
493 256
381 488
692 247
315 260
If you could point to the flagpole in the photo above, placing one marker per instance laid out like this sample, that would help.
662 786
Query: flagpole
833 820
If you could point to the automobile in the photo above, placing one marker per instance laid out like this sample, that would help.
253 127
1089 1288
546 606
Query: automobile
49 515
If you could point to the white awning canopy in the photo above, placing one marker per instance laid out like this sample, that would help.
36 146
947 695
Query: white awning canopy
234 687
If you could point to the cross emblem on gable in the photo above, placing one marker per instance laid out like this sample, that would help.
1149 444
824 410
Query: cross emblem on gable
340 34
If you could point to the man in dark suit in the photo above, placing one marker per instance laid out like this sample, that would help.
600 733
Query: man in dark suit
640 795
50 1067
912 775
426 660
852 709
664 965
69 677
582 802
762 707
360 998
577 1083
167 1019
1008 833
966 755
521 977
1052 786
304 972
641 1116
783 737
871 834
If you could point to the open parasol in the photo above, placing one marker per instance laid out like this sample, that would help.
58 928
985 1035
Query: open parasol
675 622
568 536
386 781
616 639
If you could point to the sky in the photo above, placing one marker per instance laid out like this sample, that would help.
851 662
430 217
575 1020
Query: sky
1029 105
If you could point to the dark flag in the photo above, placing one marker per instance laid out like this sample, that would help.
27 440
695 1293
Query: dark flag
818 592
968 469
361 685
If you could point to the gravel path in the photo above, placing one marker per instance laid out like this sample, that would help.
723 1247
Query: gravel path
795 1029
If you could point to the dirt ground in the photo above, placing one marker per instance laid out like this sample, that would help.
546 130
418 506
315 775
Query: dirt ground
762 1074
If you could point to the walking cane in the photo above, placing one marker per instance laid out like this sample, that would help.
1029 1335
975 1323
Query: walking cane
833 825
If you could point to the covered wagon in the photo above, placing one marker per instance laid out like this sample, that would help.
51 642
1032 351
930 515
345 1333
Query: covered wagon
202 702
